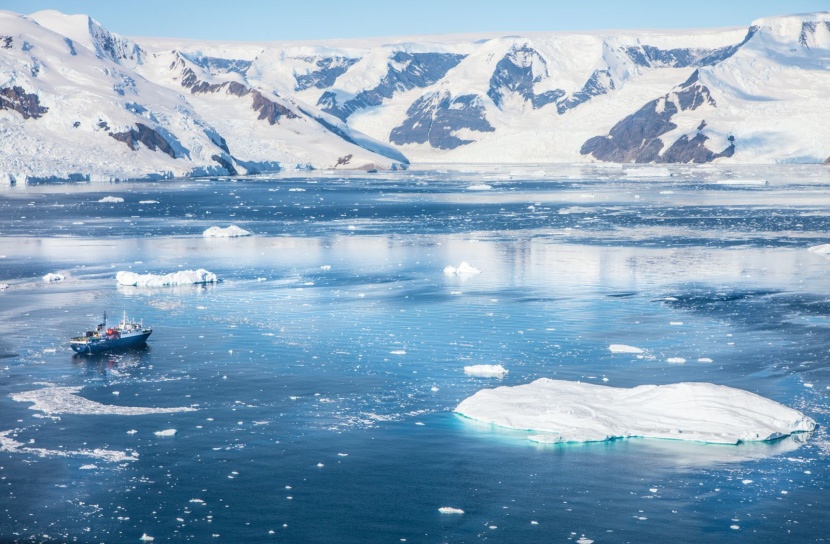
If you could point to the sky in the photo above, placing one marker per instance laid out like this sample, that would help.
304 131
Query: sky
277 20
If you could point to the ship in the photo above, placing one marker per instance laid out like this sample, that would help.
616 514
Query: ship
126 334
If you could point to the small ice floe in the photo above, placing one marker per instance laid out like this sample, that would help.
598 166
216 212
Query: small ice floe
622 348
65 400
398 352
183 277
741 182
4 286
166 432
676 360
485 371
197 501
450 510
53 277
823 249
132 431
148 201
89 467
325 267
464 271
112 199
479 187
584 540
704 360
146 538
231 232
564 411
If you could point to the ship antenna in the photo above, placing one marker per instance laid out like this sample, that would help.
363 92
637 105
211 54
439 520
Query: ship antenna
105 318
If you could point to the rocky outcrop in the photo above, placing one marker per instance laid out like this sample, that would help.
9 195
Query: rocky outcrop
405 71
147 136
327 72
637 138
26 104
225 163
598 84
438 117
517 73
269 110
655 57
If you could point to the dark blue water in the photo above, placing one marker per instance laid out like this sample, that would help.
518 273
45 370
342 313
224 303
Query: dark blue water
325 366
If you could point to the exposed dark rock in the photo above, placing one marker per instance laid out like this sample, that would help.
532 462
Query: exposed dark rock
103 124
26 104
343 161
405 71
112 46
7 41
147 136
329 69
190 80
76 124
599 83
436 117
71 45
237 89
637 137
269 110
654 57
685 150
514 74
827 162
225 163
218 140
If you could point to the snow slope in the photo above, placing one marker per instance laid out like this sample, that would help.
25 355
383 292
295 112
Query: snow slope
79 102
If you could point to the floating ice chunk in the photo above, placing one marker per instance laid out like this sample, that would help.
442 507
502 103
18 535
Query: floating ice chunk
704 360
8 444
581 412
450 510
622 348
148 201
398 352
146 538
132 431
197 501
113 199
89 467
64 400
464 271
231 232
53 277
479 187
823 249
676 360
485 371
183 277
4 286
166 432
742 182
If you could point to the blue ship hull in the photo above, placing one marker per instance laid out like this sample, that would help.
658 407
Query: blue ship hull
97 345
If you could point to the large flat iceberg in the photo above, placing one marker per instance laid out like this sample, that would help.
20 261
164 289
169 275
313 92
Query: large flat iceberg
182 277
579 412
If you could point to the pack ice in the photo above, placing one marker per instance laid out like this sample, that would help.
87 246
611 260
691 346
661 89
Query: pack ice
567 411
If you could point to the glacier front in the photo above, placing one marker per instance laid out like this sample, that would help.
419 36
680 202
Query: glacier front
565 411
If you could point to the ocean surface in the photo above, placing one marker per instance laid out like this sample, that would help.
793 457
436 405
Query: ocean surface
309 395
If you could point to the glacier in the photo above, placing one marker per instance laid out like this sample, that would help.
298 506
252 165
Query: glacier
80 103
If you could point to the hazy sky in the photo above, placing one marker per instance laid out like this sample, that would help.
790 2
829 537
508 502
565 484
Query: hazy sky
322 19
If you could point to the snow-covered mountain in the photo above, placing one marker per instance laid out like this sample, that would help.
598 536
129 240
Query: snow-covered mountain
79 102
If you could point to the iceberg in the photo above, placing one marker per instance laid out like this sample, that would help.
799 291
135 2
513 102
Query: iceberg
231 232
565 411
53 277
183 277
485 371
823 249
112 199
464 271
622 348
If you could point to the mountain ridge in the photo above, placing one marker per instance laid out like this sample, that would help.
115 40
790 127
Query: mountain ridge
79 102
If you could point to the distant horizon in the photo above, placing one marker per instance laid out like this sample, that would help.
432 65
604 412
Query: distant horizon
331 20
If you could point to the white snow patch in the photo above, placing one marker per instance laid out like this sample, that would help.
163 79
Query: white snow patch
113 199
581 412
485 371
823 249
622 348
65 400
230 232
450 510
464 271
53 277
183 277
